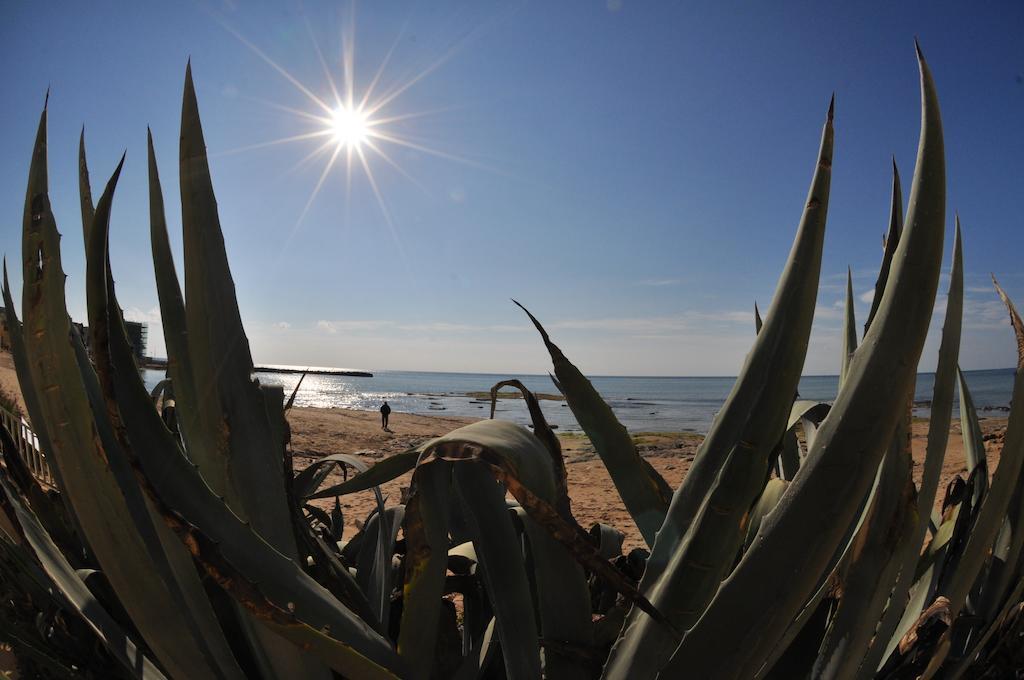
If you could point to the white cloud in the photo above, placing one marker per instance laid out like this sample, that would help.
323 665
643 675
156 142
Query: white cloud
282 325
333 327
659 282
136 314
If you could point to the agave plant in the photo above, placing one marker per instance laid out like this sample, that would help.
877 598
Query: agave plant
196 551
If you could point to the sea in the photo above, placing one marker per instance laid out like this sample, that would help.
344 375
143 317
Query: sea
642 404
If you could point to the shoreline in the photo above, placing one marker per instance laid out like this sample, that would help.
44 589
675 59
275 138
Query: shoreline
317 432
322 431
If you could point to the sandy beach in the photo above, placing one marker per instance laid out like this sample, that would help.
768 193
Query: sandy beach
318 432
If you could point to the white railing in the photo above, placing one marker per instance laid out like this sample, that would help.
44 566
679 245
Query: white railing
28 445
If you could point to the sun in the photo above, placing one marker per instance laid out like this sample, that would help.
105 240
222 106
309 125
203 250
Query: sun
350 127
355 125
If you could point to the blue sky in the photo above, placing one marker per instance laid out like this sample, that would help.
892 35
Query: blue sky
632 172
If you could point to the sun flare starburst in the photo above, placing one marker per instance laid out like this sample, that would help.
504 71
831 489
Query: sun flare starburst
354 125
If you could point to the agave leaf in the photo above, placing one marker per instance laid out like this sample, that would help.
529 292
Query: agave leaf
757 319
974 445
542 431
109 509
888 632
995 504
373 565
328 570
291 399
874 564
925 580
480 655
318 514
172 316
789 456
77 595
806 409
245 459
609 540
268 652
286 601
770 497
809 414
387 469
501 565
643 491
892 239
761 596
706 523
510 450
219 349
374 573
337 521
34 407
1006 554
749 413
805 633
849 330
84 191
426 558
563 600
957 670
304 480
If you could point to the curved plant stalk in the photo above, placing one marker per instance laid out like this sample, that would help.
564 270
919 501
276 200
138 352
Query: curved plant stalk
386 470
542 431
890 629
305 481
643 491
757 601
706 522
892 239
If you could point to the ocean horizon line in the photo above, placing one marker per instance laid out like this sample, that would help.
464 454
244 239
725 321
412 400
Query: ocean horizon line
299 368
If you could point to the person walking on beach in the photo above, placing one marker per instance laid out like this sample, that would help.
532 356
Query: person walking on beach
385 411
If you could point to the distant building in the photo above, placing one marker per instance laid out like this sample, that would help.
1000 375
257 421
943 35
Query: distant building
5 333
137 336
